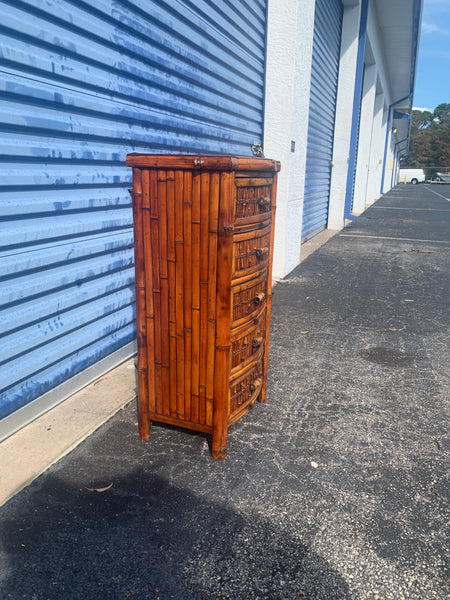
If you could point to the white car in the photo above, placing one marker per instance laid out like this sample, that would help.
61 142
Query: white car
413 176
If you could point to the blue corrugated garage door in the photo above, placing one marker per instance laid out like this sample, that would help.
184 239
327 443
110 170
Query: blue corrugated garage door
322 108
83 84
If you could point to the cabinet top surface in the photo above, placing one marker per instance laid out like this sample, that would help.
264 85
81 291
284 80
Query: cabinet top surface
208 162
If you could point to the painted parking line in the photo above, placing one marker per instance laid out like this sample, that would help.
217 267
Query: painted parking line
437 193
395 239
406 208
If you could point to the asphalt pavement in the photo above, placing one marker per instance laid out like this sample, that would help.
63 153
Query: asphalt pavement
337 488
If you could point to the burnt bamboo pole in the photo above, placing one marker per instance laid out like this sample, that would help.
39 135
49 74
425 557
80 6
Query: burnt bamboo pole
170 198
187 259
255 167
136 194
150 312
204 263
156 266
195 358
223 316
164 283
179 291
262 397
212 280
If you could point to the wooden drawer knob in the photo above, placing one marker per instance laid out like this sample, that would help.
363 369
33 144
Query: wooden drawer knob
264 201
259 298
262 253
257 342
255 385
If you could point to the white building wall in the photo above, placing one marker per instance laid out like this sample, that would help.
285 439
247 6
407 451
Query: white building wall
385 125
344 108
371 142
288 82
302 88
376 150
365 139
389 163
373 33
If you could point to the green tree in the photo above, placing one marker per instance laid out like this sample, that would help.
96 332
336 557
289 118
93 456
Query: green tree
429 144
442 113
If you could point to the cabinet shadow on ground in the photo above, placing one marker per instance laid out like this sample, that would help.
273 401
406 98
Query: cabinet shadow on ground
144 538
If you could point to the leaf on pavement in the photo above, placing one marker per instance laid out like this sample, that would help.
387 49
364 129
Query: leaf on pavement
104 489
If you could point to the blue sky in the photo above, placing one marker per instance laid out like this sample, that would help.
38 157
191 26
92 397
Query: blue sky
433 70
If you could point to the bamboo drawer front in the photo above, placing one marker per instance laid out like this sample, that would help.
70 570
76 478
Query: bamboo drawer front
203 229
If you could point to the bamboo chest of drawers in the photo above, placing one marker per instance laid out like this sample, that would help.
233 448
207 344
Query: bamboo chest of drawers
204 228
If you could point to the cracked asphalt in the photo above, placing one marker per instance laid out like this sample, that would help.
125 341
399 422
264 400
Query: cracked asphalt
336 488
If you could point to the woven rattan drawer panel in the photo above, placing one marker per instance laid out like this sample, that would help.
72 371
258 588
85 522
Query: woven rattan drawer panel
251 251
245 389
253 200
203 228
247 341
248 298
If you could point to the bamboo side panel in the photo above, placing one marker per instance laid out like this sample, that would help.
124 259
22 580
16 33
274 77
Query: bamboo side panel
179 277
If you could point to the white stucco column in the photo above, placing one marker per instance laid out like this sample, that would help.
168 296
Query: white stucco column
365 138
344 108
389 164
288 82
376 151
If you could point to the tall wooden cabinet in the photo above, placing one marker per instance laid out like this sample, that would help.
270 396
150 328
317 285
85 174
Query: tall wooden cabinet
204 229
